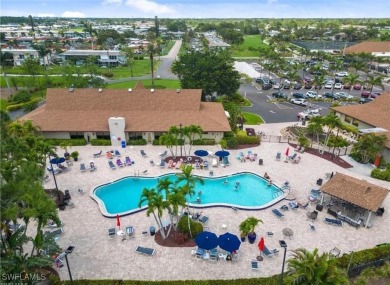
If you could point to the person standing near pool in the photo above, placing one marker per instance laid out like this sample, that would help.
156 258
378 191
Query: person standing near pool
237 185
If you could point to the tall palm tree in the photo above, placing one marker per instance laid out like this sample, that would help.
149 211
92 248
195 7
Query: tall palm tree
129 54
175 132
191 132
351 79
307 268
315 127
375 81
169 141
332 122
151 50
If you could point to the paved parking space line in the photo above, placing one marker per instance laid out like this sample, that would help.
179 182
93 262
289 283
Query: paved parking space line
282 106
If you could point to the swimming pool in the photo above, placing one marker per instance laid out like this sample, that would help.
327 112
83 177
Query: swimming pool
122 196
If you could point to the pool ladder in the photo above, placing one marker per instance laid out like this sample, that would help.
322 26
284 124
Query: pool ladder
136 174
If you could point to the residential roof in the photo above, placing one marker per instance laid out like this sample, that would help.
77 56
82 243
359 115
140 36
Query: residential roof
86 52
89 109
369 47
374 113
358 192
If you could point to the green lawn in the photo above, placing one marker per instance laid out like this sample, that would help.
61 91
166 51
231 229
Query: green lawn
168 47
249 48
158 84
3 104
252 119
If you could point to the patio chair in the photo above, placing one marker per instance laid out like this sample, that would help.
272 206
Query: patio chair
112 232
55 170
312 227
98 154
109 155
143 153
284 208
302 150
255 265
278 155
277 213
83 168
145 250
178 164
214 162
334 222
128 161
268 253
56 232
292 157
163 154
119 162
312 215
162 163
226 160
211 173
203 219
92 166
130 231
213 254
205 164
111 164
293 206
117 153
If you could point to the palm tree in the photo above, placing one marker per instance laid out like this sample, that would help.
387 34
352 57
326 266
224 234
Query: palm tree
175 132
176 199
307 268
88 28
129 54
368 146
352 79
315 127
331 121
169 141
190 132
151 50
374 81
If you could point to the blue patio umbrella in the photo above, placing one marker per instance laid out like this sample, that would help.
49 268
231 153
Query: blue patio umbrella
206 240
222 153
201 152
229 242
57 160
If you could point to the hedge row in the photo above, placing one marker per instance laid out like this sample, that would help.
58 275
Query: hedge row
204 142
19 106
365 256
70 142
102 142
381 174
137 142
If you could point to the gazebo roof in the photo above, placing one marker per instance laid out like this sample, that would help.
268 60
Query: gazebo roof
358 192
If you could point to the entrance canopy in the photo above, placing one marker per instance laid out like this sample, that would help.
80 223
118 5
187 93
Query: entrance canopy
355 191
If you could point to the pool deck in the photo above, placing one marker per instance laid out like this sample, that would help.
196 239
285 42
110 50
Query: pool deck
96 256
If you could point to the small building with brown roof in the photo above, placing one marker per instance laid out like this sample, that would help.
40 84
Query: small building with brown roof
379 49
372 117
357 192
120 114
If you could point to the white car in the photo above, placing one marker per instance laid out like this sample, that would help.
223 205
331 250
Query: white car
338 86
311 94
299 101
328 85
344 95
341 73
309 114
276 86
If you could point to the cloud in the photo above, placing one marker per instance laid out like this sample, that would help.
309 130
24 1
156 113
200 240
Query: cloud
109 2
73 14
150 6
46 15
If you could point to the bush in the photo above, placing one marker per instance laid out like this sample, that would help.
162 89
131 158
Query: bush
231 143
182 226
248 140
228 134
15 107
101 142
365 256
223 143
381 174
28 107
108 74
137 142
20 97
204 142
70 142
156 142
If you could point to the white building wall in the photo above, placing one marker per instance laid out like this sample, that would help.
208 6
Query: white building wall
116 126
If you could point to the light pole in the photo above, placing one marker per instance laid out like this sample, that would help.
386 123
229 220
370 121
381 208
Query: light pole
181 136
69 251
284 245
349 263
55 181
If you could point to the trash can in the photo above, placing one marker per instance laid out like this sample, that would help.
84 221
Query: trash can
319 182
152 231
260 161
123 144
319 207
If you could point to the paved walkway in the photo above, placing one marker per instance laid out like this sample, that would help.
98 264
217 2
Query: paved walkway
96 256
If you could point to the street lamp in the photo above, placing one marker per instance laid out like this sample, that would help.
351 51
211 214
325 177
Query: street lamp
69 251
181 137
284 245
55 181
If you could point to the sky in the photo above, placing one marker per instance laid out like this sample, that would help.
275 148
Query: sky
197 8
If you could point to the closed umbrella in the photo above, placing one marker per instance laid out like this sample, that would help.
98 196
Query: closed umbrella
206 240
201 152
229 242
222 153
261 244
118 222
287 151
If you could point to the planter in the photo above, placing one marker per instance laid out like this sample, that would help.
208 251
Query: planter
252 238
243 238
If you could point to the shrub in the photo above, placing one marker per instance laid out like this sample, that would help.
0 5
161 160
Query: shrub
204 142
365 256
69 142
381 174
231 143
108 74
223 143
196 227
156 142
248 140
137 142
15 107
228 134
102 142
20 97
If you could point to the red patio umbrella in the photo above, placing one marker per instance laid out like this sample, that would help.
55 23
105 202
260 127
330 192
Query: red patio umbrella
261 244
118 222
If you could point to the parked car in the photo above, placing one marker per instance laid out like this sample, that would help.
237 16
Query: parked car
365 94
344 95
262 80
299 95
266 86
311 94
297 86
375 95
276 86
331 96
279 95
365 100
357 87
308 85
346 86
338 86
308 114
341 73
286 84
329 85
299 101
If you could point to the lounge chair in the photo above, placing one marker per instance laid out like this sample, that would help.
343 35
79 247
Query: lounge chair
112 232
255 265
214 162
144 250
128 161
277 213
98 154
203 219
92 166
163 154
109 154
205 164
170 163
297 160
213 254
55 170
162 163
211 173
226 160
178 164
284 208
292 157
293 206
83 168
267 252
333 222
151 163
117 153
301 150
130 231
111 164
119 162
278 155
143 153
312 227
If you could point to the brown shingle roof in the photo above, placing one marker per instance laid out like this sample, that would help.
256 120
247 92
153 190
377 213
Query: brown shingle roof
89 110
375 113
369 47
358 192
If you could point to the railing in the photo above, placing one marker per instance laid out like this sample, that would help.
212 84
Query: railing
354 271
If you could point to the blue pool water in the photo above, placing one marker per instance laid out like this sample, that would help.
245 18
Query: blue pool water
122 196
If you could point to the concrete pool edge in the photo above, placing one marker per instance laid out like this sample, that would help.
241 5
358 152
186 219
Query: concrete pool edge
106 214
